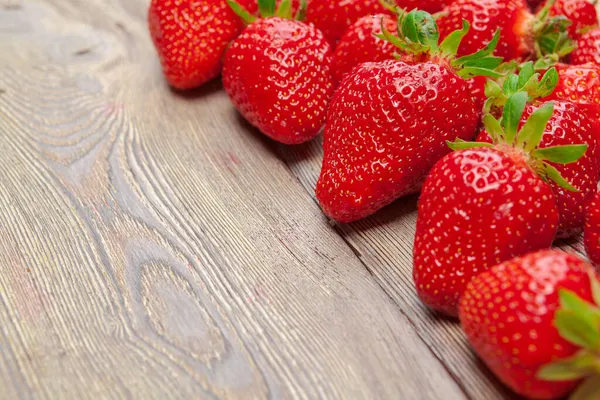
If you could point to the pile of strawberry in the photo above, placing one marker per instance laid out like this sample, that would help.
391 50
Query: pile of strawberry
489 108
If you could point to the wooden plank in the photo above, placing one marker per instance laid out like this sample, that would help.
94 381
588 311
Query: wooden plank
152 245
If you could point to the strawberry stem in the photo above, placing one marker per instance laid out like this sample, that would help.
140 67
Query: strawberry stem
550 34
417 33
266 8
506 133
241 12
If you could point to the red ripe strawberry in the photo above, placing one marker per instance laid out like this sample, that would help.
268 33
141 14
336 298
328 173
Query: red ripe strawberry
388 122
278 76
579 84
533 320
431 6
569 124
333 17
588 48
191 37
523 34
359 44
484 205
581 13
592 231
511 16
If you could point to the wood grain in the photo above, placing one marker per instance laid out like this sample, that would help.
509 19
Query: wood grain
152 245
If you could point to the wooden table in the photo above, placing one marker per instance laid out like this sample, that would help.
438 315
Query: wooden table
153 245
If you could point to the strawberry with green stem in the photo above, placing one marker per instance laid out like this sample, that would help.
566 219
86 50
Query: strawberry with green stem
487 203
569 124
388 121
523 34
581 13
277 73
535 321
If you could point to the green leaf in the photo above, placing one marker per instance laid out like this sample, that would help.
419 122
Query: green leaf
531 134
513 111
241 12
571 301
576 330
551 173
486 51
549 60
588 390
526 73
547 84
471 72
266 7
420 27
595 286
449 46
561 154
492 89
285 9
388 36
301 13
578 366
488 62
493 128
511 84
462 145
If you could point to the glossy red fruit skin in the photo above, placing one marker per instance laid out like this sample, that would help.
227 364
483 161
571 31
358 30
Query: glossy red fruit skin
582 14
478 208
533 4
359 44
507 314
431 6
277 73
333 17
592 231
588 48
485 16
386 127
569 124
191 37
579 84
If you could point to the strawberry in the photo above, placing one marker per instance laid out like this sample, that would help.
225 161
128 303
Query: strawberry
431 6
581 13
191 37
333 17
484 205
534 321
523 34
588 48
388 121
360 44
579 84
568 125
592 230
277 73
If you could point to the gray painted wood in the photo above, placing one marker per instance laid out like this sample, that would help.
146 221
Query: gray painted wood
153 245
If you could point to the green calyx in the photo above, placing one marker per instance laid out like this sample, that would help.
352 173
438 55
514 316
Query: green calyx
417 33
578 322
268 8
506 133
550 34
527 80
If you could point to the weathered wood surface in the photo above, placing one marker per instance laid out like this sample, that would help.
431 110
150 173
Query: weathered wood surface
152 245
